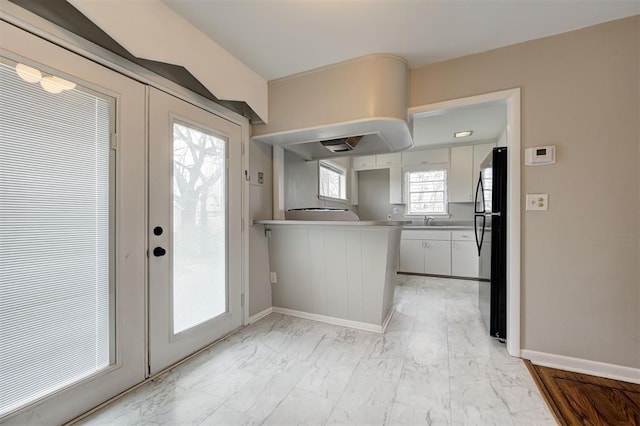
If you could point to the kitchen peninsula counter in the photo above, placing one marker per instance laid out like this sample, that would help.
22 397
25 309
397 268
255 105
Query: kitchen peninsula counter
340 272
333 222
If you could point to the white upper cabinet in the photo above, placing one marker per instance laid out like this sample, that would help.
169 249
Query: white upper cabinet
377 161
461 174
395 185
465 169
393 159
429 156
364 162
480 152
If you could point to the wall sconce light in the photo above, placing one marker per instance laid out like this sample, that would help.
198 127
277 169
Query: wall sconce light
51 83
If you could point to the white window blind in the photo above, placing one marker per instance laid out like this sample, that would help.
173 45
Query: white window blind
333 183
55 223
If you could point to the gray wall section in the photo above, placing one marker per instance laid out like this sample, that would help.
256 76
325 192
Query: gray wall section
301 183
373 199
260 207
373 195
580 92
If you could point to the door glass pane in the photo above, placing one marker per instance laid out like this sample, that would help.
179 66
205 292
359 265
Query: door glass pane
55 234
199 226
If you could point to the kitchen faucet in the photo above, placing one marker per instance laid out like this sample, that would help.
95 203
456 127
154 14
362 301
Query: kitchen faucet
427 219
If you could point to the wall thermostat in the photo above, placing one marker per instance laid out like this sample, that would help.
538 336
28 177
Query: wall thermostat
540 156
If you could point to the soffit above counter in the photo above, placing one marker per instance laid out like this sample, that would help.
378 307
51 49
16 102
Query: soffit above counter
365 96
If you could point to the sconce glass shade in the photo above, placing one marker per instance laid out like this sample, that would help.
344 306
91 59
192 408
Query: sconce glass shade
28 74
50 85
65 84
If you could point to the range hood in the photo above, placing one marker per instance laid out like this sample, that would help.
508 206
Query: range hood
341 145
357 107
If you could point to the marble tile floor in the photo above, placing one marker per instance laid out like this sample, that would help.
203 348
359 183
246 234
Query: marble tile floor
434 365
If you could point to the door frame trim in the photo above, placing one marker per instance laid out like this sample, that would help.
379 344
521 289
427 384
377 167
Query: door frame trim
512 99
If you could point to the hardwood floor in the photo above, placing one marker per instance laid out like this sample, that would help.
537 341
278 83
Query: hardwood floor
587 400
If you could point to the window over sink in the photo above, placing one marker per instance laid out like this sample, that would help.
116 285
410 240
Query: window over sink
426 192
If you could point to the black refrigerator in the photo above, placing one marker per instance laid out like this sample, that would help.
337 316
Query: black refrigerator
490 225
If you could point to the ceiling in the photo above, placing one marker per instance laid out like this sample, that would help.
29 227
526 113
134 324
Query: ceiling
487 121
277 38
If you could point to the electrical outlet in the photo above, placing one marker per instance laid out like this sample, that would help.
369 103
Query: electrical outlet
273 277
539 202
260 177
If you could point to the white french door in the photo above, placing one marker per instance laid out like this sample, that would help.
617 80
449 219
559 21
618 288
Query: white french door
72 231
195 210
96 168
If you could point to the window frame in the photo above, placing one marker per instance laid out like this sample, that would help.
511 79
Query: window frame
336 168
407 191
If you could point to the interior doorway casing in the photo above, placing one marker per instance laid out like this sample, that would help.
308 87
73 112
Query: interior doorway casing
512 99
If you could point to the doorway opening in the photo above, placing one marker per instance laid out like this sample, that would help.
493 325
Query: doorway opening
511 98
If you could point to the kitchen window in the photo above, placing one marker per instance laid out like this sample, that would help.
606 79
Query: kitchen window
426 192
332 181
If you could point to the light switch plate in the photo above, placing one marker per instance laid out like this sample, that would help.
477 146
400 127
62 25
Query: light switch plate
539 202
273 277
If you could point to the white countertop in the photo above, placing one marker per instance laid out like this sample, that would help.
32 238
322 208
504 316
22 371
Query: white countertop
437 227
398 223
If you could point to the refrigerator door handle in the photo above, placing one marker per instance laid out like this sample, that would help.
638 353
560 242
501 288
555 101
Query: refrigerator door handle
480 240
479 190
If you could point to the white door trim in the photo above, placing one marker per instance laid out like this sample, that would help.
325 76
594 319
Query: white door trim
512 99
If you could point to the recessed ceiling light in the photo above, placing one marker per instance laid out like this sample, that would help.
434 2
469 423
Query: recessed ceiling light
463 134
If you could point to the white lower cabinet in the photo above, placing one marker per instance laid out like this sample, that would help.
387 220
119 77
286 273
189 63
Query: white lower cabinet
412 256
464 254
426 252
437 257
451 253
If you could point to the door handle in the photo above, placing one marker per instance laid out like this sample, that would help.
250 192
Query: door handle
159 252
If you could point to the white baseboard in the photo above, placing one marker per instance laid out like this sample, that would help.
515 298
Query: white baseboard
337 321
578 365
259 315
